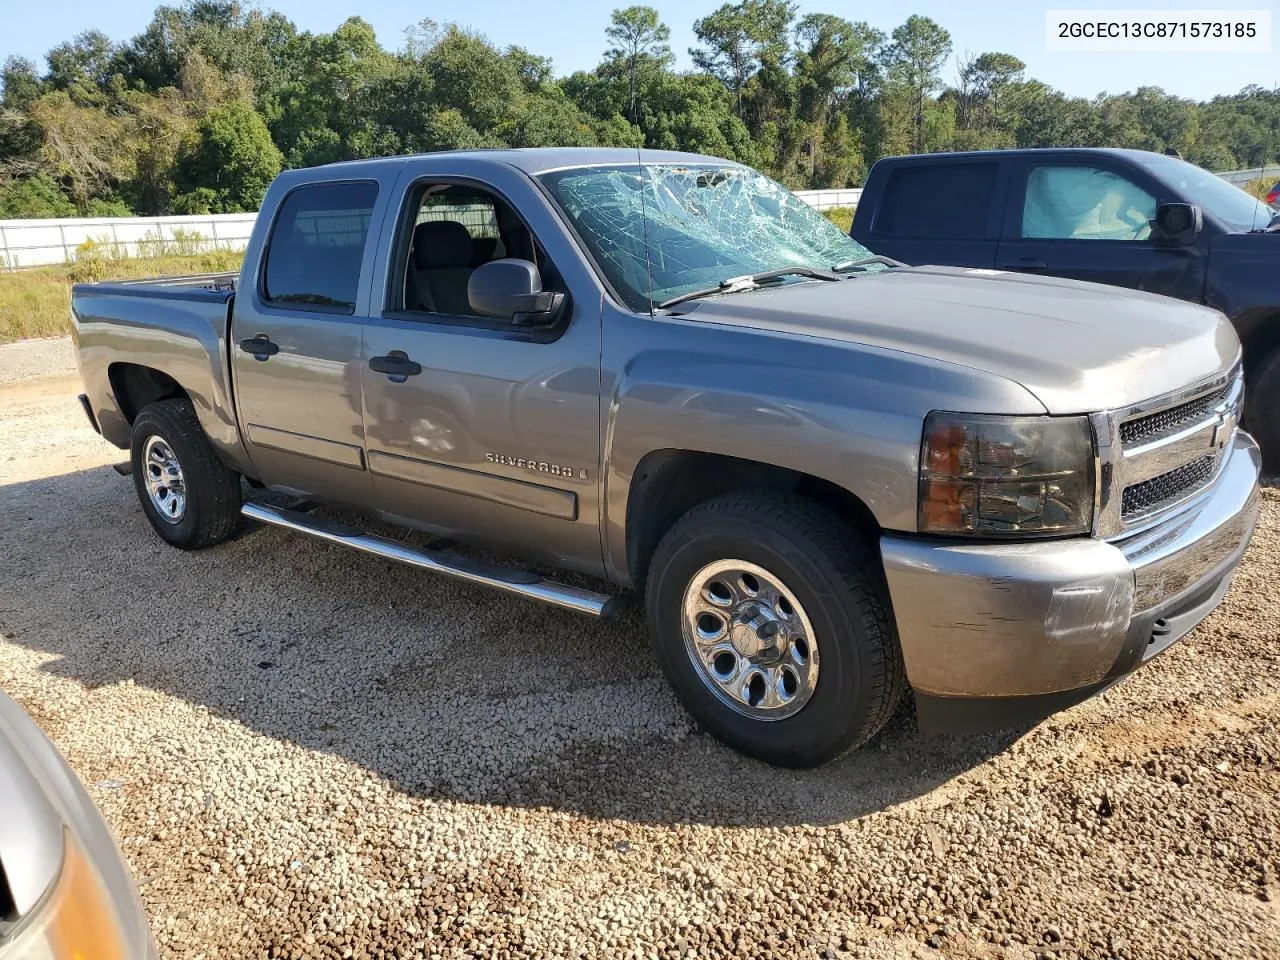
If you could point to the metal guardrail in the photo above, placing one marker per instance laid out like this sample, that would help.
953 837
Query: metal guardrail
33 243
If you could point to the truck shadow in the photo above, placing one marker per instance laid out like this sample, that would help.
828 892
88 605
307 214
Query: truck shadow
443 689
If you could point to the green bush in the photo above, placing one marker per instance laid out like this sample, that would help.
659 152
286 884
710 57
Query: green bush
32 197
231 148
107 207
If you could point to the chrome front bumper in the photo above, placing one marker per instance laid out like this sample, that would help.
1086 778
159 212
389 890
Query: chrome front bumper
1009 620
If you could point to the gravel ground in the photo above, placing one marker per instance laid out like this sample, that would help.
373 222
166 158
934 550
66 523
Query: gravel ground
28 359
309 753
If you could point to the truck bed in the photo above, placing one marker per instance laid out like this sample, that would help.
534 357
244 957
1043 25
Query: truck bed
206 287
177 326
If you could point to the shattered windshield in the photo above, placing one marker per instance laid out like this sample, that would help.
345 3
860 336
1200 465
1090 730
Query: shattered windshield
684 228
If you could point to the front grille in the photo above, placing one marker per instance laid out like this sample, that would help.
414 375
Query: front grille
1161 424
1150 495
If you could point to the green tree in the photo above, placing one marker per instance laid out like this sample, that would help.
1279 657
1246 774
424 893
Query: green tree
232 155
639 41
914 61
985 82
82 67
85 148
729 49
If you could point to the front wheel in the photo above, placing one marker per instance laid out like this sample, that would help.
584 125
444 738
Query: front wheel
1262 409
190 496
770 618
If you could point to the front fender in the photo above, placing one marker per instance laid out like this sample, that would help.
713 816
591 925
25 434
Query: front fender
847 414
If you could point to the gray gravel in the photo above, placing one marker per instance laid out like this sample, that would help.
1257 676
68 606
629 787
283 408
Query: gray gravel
34 359
308 753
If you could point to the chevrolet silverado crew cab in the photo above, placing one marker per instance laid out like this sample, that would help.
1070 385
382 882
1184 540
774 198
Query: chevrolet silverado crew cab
828 476
1131 218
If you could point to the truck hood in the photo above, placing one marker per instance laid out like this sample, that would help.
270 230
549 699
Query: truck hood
1078 347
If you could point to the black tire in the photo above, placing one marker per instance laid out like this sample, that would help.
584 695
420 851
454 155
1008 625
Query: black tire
211 513
834 573
1262 409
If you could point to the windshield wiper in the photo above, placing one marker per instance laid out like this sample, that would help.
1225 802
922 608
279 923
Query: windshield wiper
750 281
848 265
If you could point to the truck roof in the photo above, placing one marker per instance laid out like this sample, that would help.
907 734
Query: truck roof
534 160
1021 151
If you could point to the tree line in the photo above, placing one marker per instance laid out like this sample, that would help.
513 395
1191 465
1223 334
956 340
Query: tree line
202 109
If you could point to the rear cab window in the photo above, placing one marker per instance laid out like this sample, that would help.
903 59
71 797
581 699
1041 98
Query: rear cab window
313 257
939 201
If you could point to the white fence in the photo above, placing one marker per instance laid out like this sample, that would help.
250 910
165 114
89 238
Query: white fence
1240 177
830 199
30 243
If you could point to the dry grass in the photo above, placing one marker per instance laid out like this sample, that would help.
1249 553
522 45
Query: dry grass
842 217
36 302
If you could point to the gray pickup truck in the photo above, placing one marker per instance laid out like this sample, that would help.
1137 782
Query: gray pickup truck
830 476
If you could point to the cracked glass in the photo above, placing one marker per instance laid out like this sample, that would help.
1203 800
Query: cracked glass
658 231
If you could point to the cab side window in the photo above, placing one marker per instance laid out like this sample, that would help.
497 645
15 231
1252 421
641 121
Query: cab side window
1078 202
317 243
455 230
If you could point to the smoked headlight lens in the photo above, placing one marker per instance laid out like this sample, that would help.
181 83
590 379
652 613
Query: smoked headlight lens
1006 476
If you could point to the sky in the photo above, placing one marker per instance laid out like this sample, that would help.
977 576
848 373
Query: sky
571 32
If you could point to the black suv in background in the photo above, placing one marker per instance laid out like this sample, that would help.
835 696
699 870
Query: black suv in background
1129 218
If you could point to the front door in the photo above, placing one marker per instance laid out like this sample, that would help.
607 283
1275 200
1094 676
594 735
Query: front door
475 426
295 347
1089 220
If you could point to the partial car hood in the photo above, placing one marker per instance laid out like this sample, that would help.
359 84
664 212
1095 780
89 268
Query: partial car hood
1078 347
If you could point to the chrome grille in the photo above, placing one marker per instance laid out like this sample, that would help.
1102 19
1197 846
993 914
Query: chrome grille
1157 455
1166 422
1168 488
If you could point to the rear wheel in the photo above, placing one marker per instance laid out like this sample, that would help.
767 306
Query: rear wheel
770 618
190 496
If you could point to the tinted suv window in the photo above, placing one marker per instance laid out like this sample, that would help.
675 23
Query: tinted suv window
938 201
314 254
1085 203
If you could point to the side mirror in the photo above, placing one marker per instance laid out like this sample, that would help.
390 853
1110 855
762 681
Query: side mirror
511 289
1178 224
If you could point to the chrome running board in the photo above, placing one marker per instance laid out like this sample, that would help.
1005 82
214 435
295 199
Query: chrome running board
520 582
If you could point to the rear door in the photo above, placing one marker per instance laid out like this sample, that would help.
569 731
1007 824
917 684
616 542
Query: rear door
1090 218
295 349
945 212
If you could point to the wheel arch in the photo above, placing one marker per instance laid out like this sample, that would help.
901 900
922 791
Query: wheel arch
135 385
669 482
1261 340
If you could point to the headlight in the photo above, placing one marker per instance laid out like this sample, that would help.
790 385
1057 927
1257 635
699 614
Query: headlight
77 919
1006 476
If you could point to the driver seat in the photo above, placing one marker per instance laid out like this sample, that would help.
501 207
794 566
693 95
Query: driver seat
443 254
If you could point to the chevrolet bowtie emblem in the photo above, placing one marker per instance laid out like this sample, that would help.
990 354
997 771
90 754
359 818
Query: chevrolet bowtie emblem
1224 428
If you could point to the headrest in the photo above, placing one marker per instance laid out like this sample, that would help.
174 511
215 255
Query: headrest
441 243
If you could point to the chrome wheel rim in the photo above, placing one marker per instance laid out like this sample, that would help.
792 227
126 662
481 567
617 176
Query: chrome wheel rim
750 640
162 474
